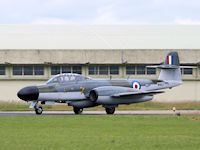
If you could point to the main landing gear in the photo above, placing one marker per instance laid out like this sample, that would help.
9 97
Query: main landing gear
77 110
110 110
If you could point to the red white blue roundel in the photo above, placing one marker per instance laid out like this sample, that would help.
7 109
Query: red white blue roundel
136 85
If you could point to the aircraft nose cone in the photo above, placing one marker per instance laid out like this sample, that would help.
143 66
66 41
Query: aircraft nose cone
28 93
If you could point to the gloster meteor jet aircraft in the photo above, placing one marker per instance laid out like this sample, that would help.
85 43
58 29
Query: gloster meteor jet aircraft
81 92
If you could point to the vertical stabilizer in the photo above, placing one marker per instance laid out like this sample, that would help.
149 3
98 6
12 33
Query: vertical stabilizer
170 69
172 59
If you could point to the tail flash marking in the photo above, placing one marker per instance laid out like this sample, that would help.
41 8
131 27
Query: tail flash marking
170 60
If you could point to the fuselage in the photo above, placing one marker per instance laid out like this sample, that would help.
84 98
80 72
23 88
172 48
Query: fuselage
79 90
76 89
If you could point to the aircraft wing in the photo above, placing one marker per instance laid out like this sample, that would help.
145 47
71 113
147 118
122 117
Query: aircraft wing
142 93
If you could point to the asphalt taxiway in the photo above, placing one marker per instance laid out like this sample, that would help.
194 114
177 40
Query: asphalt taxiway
119 112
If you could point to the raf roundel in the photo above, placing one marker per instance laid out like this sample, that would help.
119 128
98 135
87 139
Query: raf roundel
136 85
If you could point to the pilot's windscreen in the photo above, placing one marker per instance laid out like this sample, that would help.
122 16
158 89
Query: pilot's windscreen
55 80
61 79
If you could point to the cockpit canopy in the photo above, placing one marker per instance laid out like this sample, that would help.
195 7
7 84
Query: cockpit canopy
66 77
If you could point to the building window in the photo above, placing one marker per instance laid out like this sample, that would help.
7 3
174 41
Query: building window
66 69
38 70
28 70
199 71
77 69
103 70
93 70
2 70
130 70
151 71
114 70
140 70
187 71
17 70
55 70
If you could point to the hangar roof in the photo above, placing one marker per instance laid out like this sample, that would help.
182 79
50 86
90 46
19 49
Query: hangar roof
99 37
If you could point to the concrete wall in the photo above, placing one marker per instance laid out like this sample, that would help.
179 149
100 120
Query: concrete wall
139 56
188 91
10 88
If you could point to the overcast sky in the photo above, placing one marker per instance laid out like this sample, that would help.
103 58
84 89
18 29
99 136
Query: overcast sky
80 12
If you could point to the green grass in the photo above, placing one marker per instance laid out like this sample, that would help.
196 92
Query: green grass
151 105
99 132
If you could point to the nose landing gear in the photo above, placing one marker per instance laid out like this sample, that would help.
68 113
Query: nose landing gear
38 110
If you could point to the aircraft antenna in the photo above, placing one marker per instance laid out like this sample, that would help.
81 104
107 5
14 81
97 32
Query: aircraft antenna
128 77
110 77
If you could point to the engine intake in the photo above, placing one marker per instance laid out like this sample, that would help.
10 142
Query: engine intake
93 96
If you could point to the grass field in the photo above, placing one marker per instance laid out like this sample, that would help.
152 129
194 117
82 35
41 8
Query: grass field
100 132
151 105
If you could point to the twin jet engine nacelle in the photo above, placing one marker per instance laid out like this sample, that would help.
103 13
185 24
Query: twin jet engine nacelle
108 91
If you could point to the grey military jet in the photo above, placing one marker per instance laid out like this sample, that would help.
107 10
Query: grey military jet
82 92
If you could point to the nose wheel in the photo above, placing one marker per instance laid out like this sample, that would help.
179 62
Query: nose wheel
38 110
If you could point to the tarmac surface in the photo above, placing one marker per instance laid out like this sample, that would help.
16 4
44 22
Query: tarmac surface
127 112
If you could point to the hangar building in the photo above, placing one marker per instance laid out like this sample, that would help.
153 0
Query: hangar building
30 55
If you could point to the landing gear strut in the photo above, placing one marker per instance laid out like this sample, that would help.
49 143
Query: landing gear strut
110 110
77 110
38 110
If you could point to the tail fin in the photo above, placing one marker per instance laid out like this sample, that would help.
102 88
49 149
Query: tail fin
170 69
172 60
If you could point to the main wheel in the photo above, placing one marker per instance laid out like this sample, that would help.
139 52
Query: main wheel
110 110
77 110
39 110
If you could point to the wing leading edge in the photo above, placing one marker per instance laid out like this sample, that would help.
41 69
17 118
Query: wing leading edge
137 93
